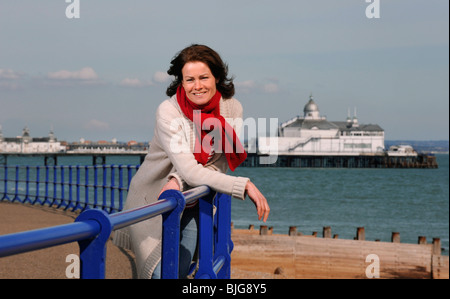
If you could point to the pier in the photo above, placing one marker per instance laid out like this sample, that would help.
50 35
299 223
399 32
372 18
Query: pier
98 158
254 160
342 161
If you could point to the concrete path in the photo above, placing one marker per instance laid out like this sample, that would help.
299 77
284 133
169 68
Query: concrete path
50 263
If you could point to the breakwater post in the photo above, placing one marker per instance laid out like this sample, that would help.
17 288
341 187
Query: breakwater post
360 234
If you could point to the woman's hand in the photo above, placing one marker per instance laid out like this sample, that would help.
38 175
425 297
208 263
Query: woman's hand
172 184
262 207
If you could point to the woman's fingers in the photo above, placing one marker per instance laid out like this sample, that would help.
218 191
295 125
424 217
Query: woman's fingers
262 207
172 184
265 209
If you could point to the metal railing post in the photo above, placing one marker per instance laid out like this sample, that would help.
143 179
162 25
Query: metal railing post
27 185
93 250
5 194
113 185
62 183
205 262
223 245
36 199
171 235
16 193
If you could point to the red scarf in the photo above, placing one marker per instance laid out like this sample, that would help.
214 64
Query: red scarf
231 146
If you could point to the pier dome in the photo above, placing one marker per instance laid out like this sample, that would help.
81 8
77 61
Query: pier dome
311 110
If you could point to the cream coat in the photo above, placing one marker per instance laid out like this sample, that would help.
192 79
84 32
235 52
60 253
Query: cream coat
171 155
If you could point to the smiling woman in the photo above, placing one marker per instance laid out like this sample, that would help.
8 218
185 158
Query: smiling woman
200 86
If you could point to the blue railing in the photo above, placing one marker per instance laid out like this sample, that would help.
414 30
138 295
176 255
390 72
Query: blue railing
68 187
93 227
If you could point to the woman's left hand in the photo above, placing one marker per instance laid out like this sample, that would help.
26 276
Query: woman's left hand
262 207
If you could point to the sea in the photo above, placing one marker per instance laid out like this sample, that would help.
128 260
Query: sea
412 202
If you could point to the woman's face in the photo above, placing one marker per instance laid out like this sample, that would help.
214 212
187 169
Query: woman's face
198 82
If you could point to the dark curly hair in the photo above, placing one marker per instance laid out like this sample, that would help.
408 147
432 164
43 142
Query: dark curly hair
201 53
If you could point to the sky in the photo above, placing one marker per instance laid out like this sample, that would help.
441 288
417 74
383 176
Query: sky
103 74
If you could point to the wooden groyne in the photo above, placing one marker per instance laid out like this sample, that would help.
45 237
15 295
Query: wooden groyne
311 257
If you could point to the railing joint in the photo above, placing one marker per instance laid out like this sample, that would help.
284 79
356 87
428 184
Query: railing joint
93 250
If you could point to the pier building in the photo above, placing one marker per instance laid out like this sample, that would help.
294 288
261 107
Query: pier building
25 144
313 134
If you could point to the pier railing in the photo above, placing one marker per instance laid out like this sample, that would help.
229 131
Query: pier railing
93 227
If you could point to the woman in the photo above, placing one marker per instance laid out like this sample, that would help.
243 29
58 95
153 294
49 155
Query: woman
184 154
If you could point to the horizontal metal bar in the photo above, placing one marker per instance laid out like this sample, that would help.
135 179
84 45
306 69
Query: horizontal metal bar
46 237
196 193
125 218
42 238
129 217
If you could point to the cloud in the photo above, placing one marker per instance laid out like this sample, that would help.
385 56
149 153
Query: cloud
96 125
158 77
9 74
10 80
254 86
161 77
246 84
270 88
87 74
134 82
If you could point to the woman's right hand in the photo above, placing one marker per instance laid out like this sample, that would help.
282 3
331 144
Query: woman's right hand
262 207
172 184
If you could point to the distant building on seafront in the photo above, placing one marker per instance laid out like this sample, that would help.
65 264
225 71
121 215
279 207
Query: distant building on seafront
25 144
107 147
